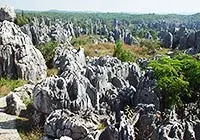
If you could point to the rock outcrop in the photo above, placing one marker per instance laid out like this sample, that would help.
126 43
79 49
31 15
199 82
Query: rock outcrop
93 98
7 13
18 57
64 123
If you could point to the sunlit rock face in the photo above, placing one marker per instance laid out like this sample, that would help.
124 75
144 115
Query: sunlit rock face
18 57
7 13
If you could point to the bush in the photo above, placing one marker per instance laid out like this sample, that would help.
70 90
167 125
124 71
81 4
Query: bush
121 53
48 51
178 79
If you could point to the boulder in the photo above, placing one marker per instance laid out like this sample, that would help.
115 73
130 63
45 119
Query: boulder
14 104
51 94
110 67
18 99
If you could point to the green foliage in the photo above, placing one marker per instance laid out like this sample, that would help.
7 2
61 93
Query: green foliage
141 33
129 112
7 85
101 126
21 20
150 44
178 78
81 41
121 53
48 51
154 34
27 101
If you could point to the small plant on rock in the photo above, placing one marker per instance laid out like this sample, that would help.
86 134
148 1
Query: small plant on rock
121 53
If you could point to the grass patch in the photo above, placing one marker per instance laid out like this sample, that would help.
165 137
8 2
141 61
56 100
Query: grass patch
81 40
24 125
92 49
146 49
51 72
7 85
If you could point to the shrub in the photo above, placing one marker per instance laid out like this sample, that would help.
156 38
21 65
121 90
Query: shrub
121 53
178 79
48 51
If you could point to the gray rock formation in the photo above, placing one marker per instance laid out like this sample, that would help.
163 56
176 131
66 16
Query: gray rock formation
191 40
70 91
64 123
183 43
7 13
26 29
122 130
146 124
110 133
14 104
197 42
51 94
145 92
69 59
130 40
112 67
18 57
174 128
166 39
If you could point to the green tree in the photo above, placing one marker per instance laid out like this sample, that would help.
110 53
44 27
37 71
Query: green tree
21 19
121 53
178 79
48 51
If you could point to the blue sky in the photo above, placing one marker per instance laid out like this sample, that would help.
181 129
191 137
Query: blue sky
133 6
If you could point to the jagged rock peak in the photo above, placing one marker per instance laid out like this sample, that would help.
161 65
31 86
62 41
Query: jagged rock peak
7 13
18 57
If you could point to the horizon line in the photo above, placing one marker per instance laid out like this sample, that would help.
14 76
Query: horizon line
111 12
